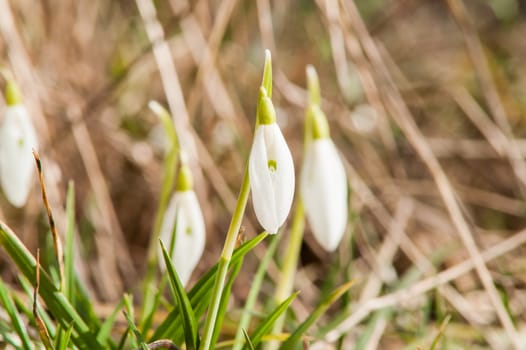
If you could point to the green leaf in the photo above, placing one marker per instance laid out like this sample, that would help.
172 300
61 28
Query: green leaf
28 289
248 342
189 321
105 329
69 253
267 323
199 295
441 330
55 301
128 314
62 341
16 321
313 317
224 302
169 168
255 287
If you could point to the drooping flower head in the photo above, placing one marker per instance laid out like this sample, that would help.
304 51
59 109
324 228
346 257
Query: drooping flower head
17 140
270 166
183 228
323 178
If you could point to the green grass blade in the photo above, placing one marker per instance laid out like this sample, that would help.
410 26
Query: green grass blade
105 329
16 321
189 321
124 336
224 302
199 295
128 314
28 289
63 341
313 317
69 253
268 322
441 330
55 301
248 342
255 287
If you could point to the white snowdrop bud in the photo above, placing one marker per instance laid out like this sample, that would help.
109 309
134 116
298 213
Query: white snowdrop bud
184 218
17 140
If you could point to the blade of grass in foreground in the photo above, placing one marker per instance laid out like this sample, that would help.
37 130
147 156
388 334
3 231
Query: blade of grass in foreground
105 329
56 302
69 254
248 341
441 330
255 287
62 342
183 303
16 322
128 314
267 324
313 317
200 295
224 302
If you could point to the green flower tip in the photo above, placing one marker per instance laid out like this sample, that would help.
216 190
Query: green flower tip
266 114
12 94
313 85
267 73
316 119
185 180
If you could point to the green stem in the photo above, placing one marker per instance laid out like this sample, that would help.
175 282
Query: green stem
170 166
224 261
244 322
286 280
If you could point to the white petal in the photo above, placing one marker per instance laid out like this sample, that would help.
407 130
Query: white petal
272 190
261 185
324 193
185 214
17 139
284 176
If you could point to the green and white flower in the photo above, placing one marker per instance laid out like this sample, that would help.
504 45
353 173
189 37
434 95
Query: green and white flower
184 219
271 169
17 140
323 179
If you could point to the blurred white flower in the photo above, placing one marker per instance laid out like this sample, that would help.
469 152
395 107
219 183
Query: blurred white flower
184 217
324 192
271 173
17 140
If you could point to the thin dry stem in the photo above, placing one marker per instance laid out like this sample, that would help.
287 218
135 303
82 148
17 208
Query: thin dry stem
403 118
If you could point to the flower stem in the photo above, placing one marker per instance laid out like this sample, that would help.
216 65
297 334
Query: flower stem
224 261
286 280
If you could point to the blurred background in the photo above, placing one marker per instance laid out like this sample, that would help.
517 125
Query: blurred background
426 101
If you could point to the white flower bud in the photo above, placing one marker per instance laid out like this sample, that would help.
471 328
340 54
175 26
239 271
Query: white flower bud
324 192
185 217
17 140
271 173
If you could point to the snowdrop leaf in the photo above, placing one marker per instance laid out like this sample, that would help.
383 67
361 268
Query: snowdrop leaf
189 320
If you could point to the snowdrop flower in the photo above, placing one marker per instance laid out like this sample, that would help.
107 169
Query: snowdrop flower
270 169
17 140
323 181
184 218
